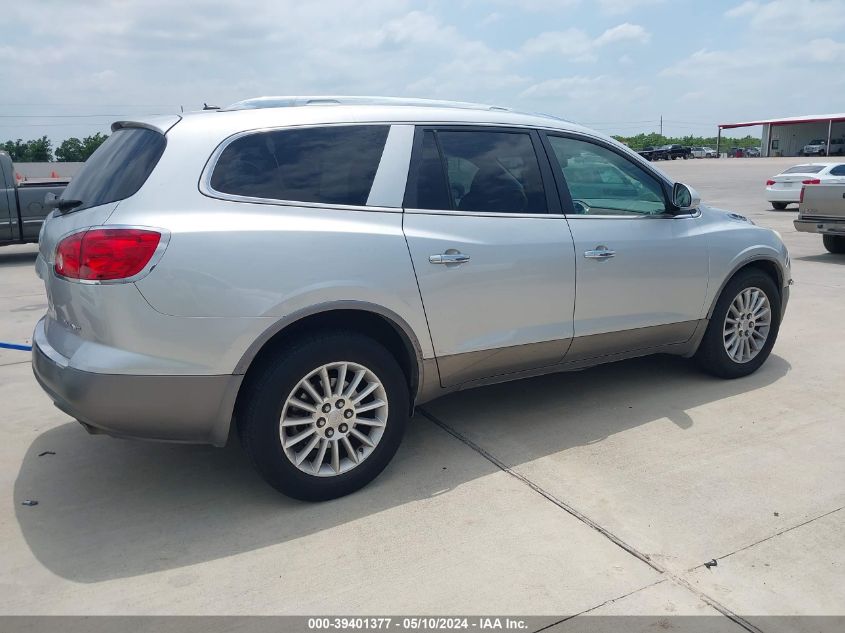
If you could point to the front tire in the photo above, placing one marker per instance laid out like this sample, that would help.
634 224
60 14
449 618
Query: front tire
743 327
834 244
324 415
779 206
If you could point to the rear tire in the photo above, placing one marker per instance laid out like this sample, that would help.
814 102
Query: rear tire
779 206
834 243
280 380
754 326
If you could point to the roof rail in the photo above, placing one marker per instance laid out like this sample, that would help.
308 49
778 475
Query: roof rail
288 102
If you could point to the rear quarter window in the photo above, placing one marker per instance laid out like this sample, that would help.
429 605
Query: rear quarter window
118 168
330 165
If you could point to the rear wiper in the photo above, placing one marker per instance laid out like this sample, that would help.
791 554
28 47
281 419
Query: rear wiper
52 201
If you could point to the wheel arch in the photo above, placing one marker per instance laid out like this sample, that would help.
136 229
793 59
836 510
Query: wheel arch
767 265
382 324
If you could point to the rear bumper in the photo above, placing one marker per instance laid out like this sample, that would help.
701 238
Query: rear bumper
191 409
793 194
833 227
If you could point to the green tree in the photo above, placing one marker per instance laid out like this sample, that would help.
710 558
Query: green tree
91 143
38 150
76 150
639 141
71 150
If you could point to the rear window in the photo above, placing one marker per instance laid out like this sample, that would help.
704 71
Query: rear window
330 165
804 169
117 169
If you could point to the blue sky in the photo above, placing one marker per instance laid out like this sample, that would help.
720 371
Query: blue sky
617 65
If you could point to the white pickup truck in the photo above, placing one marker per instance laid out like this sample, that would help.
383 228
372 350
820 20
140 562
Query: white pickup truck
22 206
818 147
822 210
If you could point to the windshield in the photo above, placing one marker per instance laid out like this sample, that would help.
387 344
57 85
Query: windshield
818 141
117 169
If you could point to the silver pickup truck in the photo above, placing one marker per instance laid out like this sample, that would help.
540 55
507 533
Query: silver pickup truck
22 206
822 210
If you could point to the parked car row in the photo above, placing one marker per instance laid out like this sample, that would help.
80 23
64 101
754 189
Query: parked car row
671 152
665 152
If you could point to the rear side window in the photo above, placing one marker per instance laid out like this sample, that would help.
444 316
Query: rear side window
118 168
330 165
478 171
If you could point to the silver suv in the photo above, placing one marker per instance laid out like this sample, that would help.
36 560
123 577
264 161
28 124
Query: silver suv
305 271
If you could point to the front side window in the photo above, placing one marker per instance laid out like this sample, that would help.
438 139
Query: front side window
330 165
486 172
602 182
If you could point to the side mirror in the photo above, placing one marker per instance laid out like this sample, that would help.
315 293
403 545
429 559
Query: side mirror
685 198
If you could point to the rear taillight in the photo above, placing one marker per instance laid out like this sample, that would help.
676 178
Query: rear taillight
770 182
811 181
105 254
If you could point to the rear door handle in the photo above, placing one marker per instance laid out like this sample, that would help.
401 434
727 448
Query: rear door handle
601 252
448 258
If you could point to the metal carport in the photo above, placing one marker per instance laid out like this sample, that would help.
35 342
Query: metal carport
782 136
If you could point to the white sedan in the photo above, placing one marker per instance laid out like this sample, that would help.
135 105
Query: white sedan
786 186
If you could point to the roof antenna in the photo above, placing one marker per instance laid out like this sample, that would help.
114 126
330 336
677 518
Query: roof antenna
205 106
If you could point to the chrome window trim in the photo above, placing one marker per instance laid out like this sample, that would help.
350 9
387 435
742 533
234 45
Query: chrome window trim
207 190
158 253
643 216
485 214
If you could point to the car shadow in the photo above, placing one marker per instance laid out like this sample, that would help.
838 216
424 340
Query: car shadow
18 257
118 508
823 258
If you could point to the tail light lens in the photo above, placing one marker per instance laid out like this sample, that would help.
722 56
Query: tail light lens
770 182
105 254
811 181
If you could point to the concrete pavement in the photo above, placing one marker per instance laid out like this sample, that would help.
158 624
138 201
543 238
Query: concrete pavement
596 492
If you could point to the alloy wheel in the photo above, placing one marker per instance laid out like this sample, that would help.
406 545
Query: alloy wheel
747 325
333 419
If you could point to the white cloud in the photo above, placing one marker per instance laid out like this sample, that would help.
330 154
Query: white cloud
568 87
606 7
623 32
573 44
811 16
615 7
576 45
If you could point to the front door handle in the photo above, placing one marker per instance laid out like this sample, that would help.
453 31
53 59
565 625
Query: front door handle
448 258
601 252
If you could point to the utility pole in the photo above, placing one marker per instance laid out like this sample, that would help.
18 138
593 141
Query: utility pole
661 125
